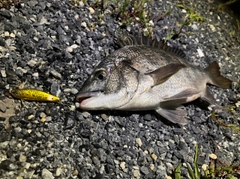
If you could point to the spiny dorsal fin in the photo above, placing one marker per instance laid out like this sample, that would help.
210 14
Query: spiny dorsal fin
216 78
140 39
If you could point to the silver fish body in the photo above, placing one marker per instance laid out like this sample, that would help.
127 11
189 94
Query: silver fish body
148 77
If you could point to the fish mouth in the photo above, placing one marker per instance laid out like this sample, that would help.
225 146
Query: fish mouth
82 97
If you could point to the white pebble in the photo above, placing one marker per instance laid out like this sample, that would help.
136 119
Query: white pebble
3 73
200 52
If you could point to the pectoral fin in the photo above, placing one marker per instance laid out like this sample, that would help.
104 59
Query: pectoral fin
164 73
174 115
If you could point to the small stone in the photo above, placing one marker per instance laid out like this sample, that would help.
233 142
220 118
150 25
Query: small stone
86 114
75 173
81 4
12 35
84 24
213 156
46 174
139 142
43 119
212 27
154 157
6 34
56 74
144 170
104 117
91 10
32 63
152 167
74 91
204 167
136 173
195 27
200 52
58 172
31 117
67 90
3 73
72 108
27 166
22 69
71 48
22 158
42 114
43 20
123 165
35 74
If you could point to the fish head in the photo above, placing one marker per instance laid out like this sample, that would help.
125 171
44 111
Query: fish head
108 86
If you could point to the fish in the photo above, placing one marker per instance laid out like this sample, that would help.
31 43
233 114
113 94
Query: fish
30 94
146 74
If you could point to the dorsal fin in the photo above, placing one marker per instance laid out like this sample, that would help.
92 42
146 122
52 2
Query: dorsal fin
140 39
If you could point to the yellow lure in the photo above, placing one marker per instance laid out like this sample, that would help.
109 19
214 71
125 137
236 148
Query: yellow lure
33 95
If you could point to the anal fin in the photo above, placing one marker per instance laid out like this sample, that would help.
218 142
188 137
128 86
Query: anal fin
176 116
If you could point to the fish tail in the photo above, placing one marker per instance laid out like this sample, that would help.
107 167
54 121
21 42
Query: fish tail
213 71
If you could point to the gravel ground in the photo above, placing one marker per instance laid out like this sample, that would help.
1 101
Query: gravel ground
53 46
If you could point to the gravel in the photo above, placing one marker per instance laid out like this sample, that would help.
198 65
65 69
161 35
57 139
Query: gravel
53 46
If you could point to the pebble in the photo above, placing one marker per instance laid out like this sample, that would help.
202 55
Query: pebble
22 158
136 173
74 91
71 48
144 170
84 24
212 27
56 74
154 157
91 10
123 165
139 142
32 63
3 73
46 174
58 172
213 156
152 167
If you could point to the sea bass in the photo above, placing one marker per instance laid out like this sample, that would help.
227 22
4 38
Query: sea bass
145 74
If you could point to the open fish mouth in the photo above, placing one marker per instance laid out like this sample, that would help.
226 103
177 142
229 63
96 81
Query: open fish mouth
83 97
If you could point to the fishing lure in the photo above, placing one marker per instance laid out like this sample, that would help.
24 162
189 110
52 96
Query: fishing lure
33 95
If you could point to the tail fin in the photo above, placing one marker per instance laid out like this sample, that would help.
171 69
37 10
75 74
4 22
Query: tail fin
216 78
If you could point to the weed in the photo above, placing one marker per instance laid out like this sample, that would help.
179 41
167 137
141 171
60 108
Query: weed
210 172
127 11
191 17
215 118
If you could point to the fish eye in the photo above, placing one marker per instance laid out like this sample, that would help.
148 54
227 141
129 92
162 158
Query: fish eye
100 75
